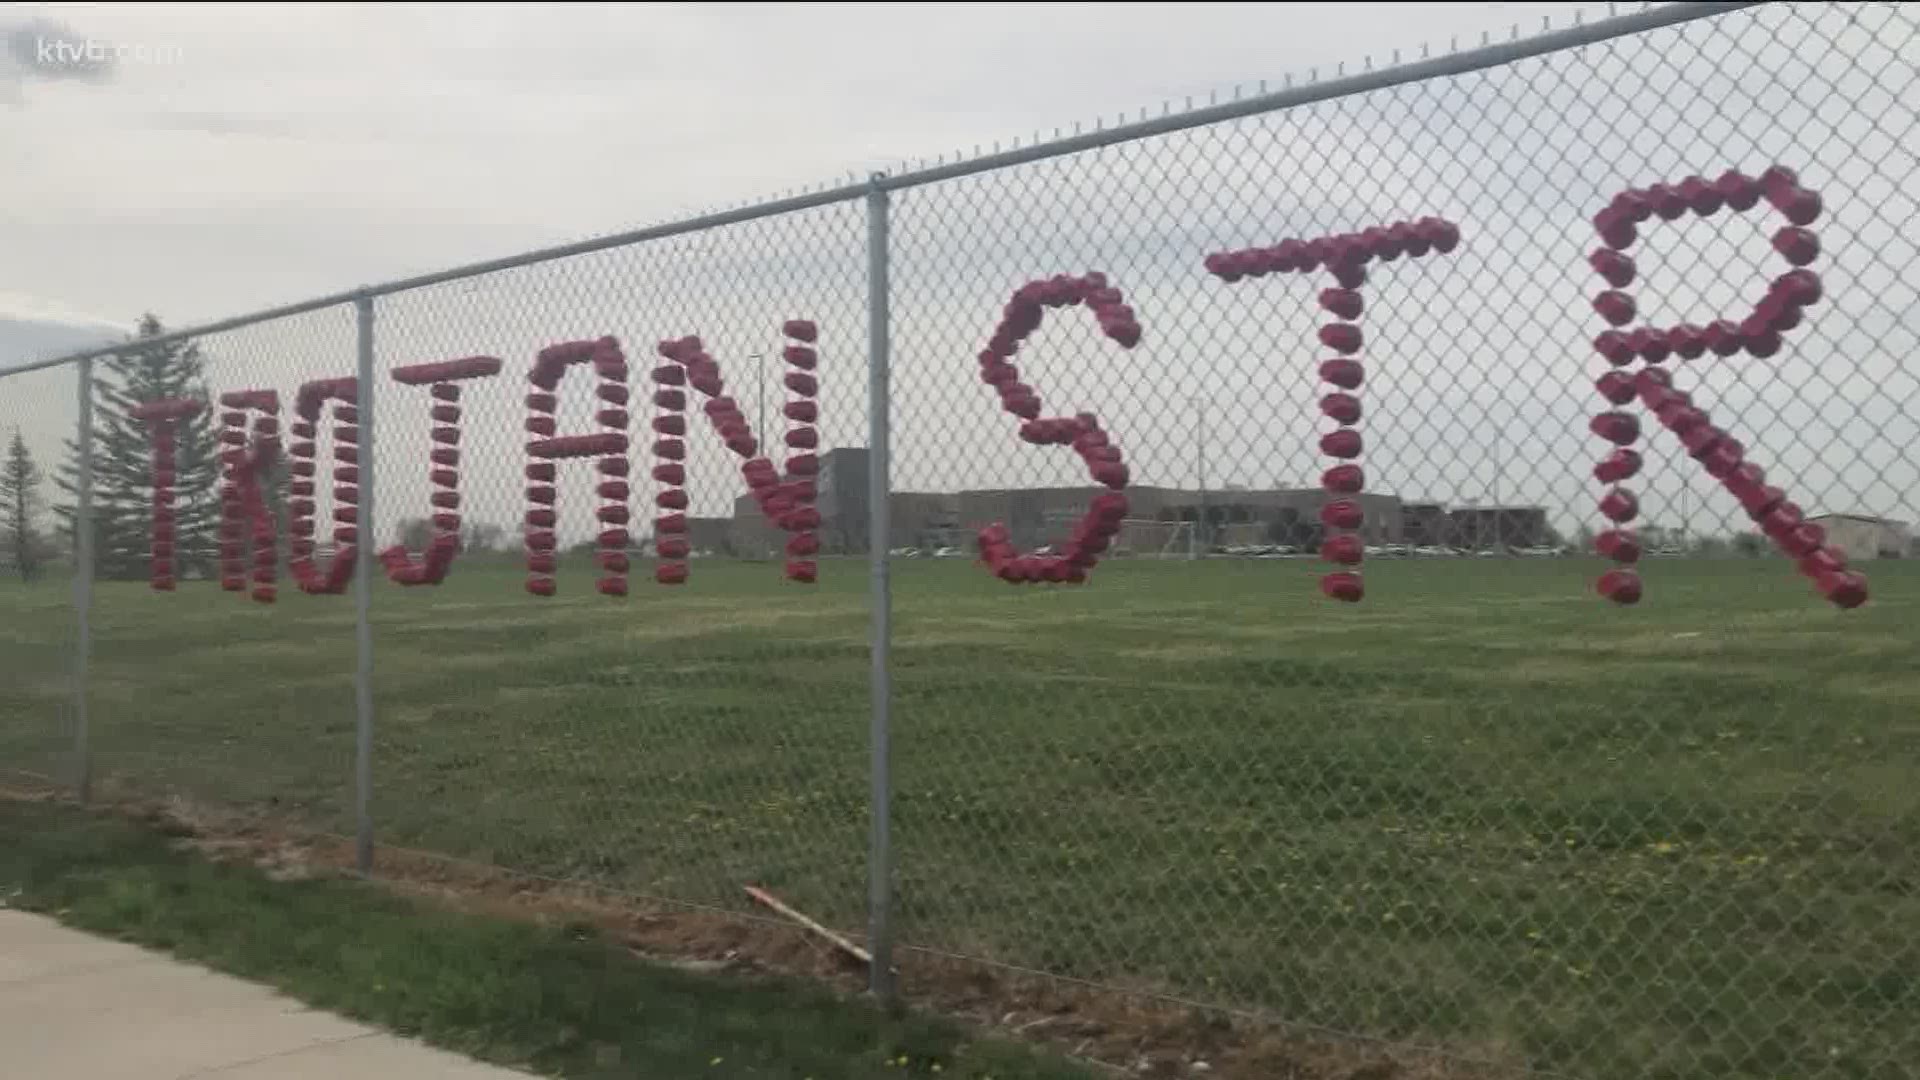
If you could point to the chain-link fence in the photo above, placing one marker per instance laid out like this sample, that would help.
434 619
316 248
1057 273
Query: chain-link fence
600 565
39 628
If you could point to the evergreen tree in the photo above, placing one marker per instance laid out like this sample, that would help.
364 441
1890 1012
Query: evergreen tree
123 460
21 546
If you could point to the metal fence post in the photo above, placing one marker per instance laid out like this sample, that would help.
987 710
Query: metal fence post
83 590
879 530
363 598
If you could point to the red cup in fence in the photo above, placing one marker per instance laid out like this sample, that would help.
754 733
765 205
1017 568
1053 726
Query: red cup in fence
1344 303
1845 589
1345 443
1618 428
1701 196
1345 374
1762 345
1620 586
1679 417
1341 337
1616 386
1108 507
1342 514
1343 408
1701 440
1615 306
1798 245
1620 545
1343 479
1343 585
1688 341
1781 521
1762 501
1723 337
1634 205
1807 541
1668 202
1650 345
1778 180
1723 459
1347 550
1800 287
1620 505
1614 266
1616 230
1618 466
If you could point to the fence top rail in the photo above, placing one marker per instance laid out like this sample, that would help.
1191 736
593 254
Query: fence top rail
1487 55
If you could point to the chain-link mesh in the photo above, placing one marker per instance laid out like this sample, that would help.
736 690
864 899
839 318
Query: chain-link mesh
1481 808
38 626
227 686
688 740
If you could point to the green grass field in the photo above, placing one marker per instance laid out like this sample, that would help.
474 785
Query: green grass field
1484 809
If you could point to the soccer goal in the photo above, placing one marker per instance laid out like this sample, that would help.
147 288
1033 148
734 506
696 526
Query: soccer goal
1156 539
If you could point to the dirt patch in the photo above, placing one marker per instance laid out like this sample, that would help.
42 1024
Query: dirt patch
1132 1034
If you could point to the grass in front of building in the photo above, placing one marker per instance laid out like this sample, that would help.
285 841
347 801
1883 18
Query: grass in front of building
1482 808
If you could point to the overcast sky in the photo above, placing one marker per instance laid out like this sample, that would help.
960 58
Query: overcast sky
238 159
248 155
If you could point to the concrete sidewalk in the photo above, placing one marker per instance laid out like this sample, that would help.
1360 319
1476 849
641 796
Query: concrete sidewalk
78 1007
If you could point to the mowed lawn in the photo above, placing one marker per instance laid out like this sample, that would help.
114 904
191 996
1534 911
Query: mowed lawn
1483 809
